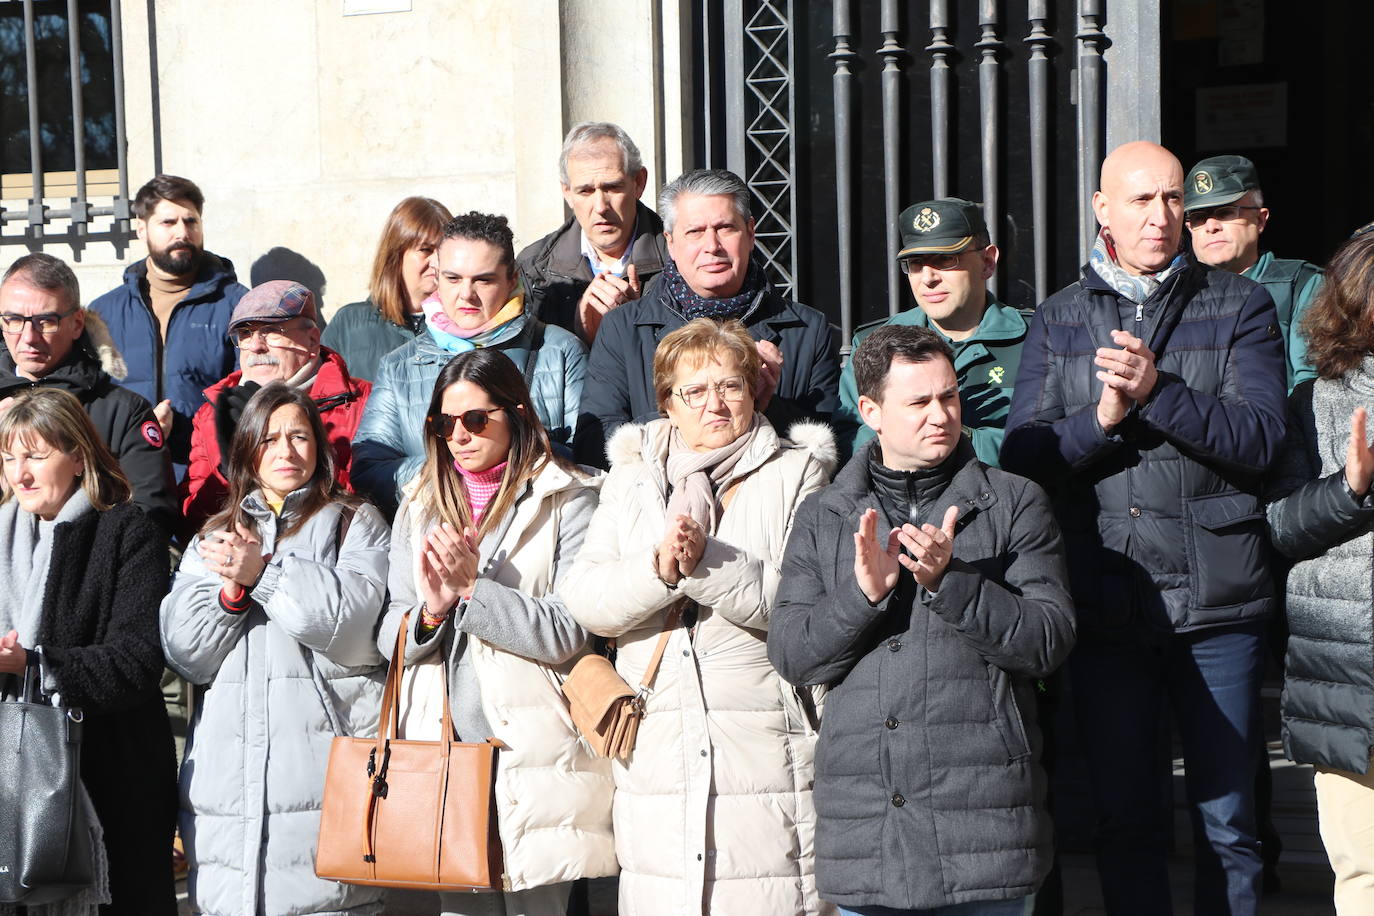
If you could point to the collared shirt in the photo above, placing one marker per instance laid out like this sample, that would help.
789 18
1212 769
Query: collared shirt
598 264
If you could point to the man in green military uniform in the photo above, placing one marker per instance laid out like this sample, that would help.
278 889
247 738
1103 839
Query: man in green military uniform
1226 213
947 258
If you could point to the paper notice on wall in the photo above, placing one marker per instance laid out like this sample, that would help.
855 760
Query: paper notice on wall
1242 117
364 7
1240 32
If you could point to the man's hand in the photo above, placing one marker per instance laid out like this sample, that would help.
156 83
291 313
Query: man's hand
930 547
875 565
1112 406
770 371
1130 370
1359 457
163 414
605 292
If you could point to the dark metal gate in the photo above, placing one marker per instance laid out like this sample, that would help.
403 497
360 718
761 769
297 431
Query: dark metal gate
838 114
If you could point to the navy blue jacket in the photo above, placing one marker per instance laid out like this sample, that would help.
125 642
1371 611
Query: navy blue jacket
1161 518
197 354
620 370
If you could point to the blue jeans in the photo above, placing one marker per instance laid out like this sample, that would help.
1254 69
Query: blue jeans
1211 680
1021 906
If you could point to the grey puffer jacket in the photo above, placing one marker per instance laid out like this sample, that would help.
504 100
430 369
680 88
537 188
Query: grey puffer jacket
274 685
929 790
1328 719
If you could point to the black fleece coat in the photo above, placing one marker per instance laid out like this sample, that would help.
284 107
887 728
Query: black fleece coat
99 635
929 790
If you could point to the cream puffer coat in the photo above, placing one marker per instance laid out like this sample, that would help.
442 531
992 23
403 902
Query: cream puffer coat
713 810
553 795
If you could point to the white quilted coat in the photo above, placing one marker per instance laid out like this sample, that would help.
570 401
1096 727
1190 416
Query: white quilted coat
713 811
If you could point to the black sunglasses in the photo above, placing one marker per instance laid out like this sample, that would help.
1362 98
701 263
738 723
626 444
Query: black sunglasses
474 421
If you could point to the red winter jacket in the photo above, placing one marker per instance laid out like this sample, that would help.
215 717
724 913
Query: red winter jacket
341 398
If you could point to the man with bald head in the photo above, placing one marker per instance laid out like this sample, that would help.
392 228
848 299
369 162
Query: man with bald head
1149 401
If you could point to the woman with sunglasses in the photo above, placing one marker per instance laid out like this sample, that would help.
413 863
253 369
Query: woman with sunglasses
483 539
271 618
713 810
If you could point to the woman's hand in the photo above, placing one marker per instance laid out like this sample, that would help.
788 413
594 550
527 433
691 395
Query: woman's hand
13 658
688 542
236 556
448 568
1359 457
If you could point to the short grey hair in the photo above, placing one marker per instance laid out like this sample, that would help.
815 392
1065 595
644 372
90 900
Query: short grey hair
45 272
703 183
593 132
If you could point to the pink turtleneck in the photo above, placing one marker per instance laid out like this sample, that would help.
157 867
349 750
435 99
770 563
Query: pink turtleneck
482 487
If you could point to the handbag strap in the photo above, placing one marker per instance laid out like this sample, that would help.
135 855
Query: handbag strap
669 624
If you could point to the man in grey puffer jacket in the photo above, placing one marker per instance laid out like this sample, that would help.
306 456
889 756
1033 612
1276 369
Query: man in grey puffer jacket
928 590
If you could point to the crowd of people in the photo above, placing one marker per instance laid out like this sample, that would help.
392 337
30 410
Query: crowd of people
855 592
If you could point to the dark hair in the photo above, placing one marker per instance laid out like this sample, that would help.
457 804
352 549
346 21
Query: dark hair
1339 324
484 227
441 487
245 448
874 356
45 272
414 222
167 187
58 418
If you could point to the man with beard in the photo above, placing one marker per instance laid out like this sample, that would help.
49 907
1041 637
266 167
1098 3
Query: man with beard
170 317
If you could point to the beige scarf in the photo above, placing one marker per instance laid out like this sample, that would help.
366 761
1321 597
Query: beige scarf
695 476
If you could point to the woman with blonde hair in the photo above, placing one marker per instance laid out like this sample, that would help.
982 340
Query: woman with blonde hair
403 276
713 810
481 546
84 570
271 619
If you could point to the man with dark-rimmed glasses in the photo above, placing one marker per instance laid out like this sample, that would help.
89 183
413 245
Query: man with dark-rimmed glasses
947 257
1225 210
276 329
52 342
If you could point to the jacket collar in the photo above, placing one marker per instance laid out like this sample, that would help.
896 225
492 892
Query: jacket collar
79 373
332 381
999 322
565 252
1163 308
852 491
215 273
772 311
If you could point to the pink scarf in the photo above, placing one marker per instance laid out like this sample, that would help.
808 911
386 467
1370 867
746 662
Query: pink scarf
482 487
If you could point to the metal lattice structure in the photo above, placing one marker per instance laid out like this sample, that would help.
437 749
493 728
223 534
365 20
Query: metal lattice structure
769 136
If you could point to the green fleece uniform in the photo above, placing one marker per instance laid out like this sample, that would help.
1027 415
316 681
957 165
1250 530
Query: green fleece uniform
1293 285
985 364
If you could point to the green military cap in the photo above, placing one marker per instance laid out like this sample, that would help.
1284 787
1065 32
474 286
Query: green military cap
1219 180
944 226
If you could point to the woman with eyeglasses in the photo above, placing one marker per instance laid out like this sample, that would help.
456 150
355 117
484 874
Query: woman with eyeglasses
481 545
403 277
271 619
83 570
713 810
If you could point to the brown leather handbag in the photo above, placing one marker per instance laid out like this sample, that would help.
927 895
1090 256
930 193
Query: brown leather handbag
410 814
604 708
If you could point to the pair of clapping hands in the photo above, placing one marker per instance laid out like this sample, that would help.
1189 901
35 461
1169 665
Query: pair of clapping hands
877 566
677 555
1128 375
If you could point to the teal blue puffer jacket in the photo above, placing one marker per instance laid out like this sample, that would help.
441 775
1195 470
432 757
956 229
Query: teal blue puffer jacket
390 445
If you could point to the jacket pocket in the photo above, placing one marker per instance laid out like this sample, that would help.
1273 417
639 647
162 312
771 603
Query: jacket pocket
1226 543
1006 714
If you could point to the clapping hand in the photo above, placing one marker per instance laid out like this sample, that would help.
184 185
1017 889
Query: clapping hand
448 568
1359 457
236 556
770 373
877 566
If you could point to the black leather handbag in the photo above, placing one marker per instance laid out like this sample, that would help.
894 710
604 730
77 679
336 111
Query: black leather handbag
45 836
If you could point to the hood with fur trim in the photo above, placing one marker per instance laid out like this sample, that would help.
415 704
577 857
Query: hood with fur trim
635 443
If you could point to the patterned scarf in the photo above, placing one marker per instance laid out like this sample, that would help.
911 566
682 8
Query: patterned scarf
689 305
504 325
1133 287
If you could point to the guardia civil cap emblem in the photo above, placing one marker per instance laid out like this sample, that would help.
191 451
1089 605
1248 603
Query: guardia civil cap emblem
1203 182
926 220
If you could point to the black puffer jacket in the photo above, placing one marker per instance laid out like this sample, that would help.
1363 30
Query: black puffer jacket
929 790
1161 518
556 273
123 419
1315 519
